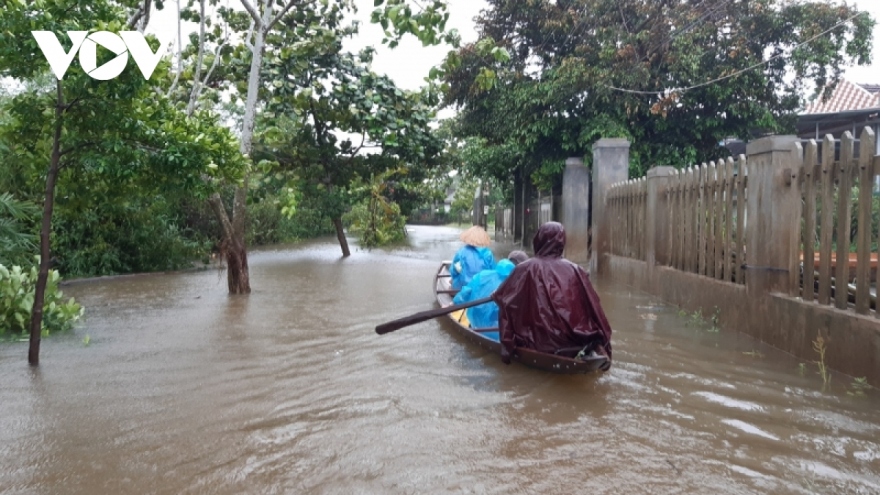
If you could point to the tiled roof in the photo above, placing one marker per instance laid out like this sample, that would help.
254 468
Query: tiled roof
847 96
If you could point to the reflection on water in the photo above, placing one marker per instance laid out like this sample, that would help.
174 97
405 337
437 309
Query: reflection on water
184 389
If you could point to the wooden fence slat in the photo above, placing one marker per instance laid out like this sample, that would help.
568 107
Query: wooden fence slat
679 207
709 222
689 250
694 221
670 203
638 234
631 220
810 170
794 273
863 243
742 174
718 207
719 219
643 206
627 211
827 219
727 240
844 202
701 218
682 245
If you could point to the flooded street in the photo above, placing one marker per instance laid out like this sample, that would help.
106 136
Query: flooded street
182 389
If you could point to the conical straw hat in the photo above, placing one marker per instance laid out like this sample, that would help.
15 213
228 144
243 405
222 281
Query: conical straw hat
475 236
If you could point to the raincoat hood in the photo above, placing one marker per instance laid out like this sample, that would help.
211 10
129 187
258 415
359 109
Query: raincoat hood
549 241
504 267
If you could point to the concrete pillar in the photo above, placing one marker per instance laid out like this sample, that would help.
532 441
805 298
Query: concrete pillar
657 219
610 165
773 215
576 210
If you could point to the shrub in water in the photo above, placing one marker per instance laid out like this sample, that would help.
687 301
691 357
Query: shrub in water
17 288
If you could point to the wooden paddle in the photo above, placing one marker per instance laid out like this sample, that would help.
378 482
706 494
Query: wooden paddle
427 315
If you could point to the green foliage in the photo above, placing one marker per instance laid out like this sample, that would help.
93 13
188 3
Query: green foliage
427 24
859 387
463 200
697 319
17 245
821 347
129 156
317 133
17 300
377 219
125 237
269 224
559 91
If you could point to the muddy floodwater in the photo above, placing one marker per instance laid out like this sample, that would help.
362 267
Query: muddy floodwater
170 386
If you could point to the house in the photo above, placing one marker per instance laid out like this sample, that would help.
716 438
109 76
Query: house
851 107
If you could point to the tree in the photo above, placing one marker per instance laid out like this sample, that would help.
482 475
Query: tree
279 36
328 94
676 77
120 130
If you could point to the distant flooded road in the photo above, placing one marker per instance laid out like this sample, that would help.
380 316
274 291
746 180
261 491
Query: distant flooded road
183 389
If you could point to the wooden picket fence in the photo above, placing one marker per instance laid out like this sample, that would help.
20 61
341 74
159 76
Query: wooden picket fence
839 227
838 239
706 219
707 211
626 203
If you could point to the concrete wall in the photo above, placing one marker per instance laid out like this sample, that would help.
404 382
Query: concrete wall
784 322
762 308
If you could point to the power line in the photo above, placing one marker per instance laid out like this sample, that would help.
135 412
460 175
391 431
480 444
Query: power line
713 81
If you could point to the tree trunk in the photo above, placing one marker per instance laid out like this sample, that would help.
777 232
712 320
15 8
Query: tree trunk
519 208
237 275
45 231
233 246
340 234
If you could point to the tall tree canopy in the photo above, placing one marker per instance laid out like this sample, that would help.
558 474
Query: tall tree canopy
674 76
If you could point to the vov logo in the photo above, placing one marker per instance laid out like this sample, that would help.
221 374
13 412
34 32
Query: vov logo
122 44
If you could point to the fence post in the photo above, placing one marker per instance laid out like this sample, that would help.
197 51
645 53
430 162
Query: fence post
610 165
773 216
576 210
658 219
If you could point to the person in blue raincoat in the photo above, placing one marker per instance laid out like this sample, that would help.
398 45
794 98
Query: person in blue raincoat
483 285
473 258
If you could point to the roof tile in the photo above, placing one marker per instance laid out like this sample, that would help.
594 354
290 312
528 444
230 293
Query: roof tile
847 96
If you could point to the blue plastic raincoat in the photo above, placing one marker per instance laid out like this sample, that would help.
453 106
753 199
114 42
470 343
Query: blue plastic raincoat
483 285
469 261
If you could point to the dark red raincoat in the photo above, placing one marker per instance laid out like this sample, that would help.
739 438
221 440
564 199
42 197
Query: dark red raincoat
548 303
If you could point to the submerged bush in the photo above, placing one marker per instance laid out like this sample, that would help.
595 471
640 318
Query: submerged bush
377 222
126 237
17 288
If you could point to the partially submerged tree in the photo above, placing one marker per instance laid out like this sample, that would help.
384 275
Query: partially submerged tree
273 31
119 130
340 110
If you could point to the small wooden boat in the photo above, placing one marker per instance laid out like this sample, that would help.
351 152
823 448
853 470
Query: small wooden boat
489 337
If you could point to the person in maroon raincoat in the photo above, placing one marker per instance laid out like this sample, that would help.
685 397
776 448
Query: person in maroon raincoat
548 304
